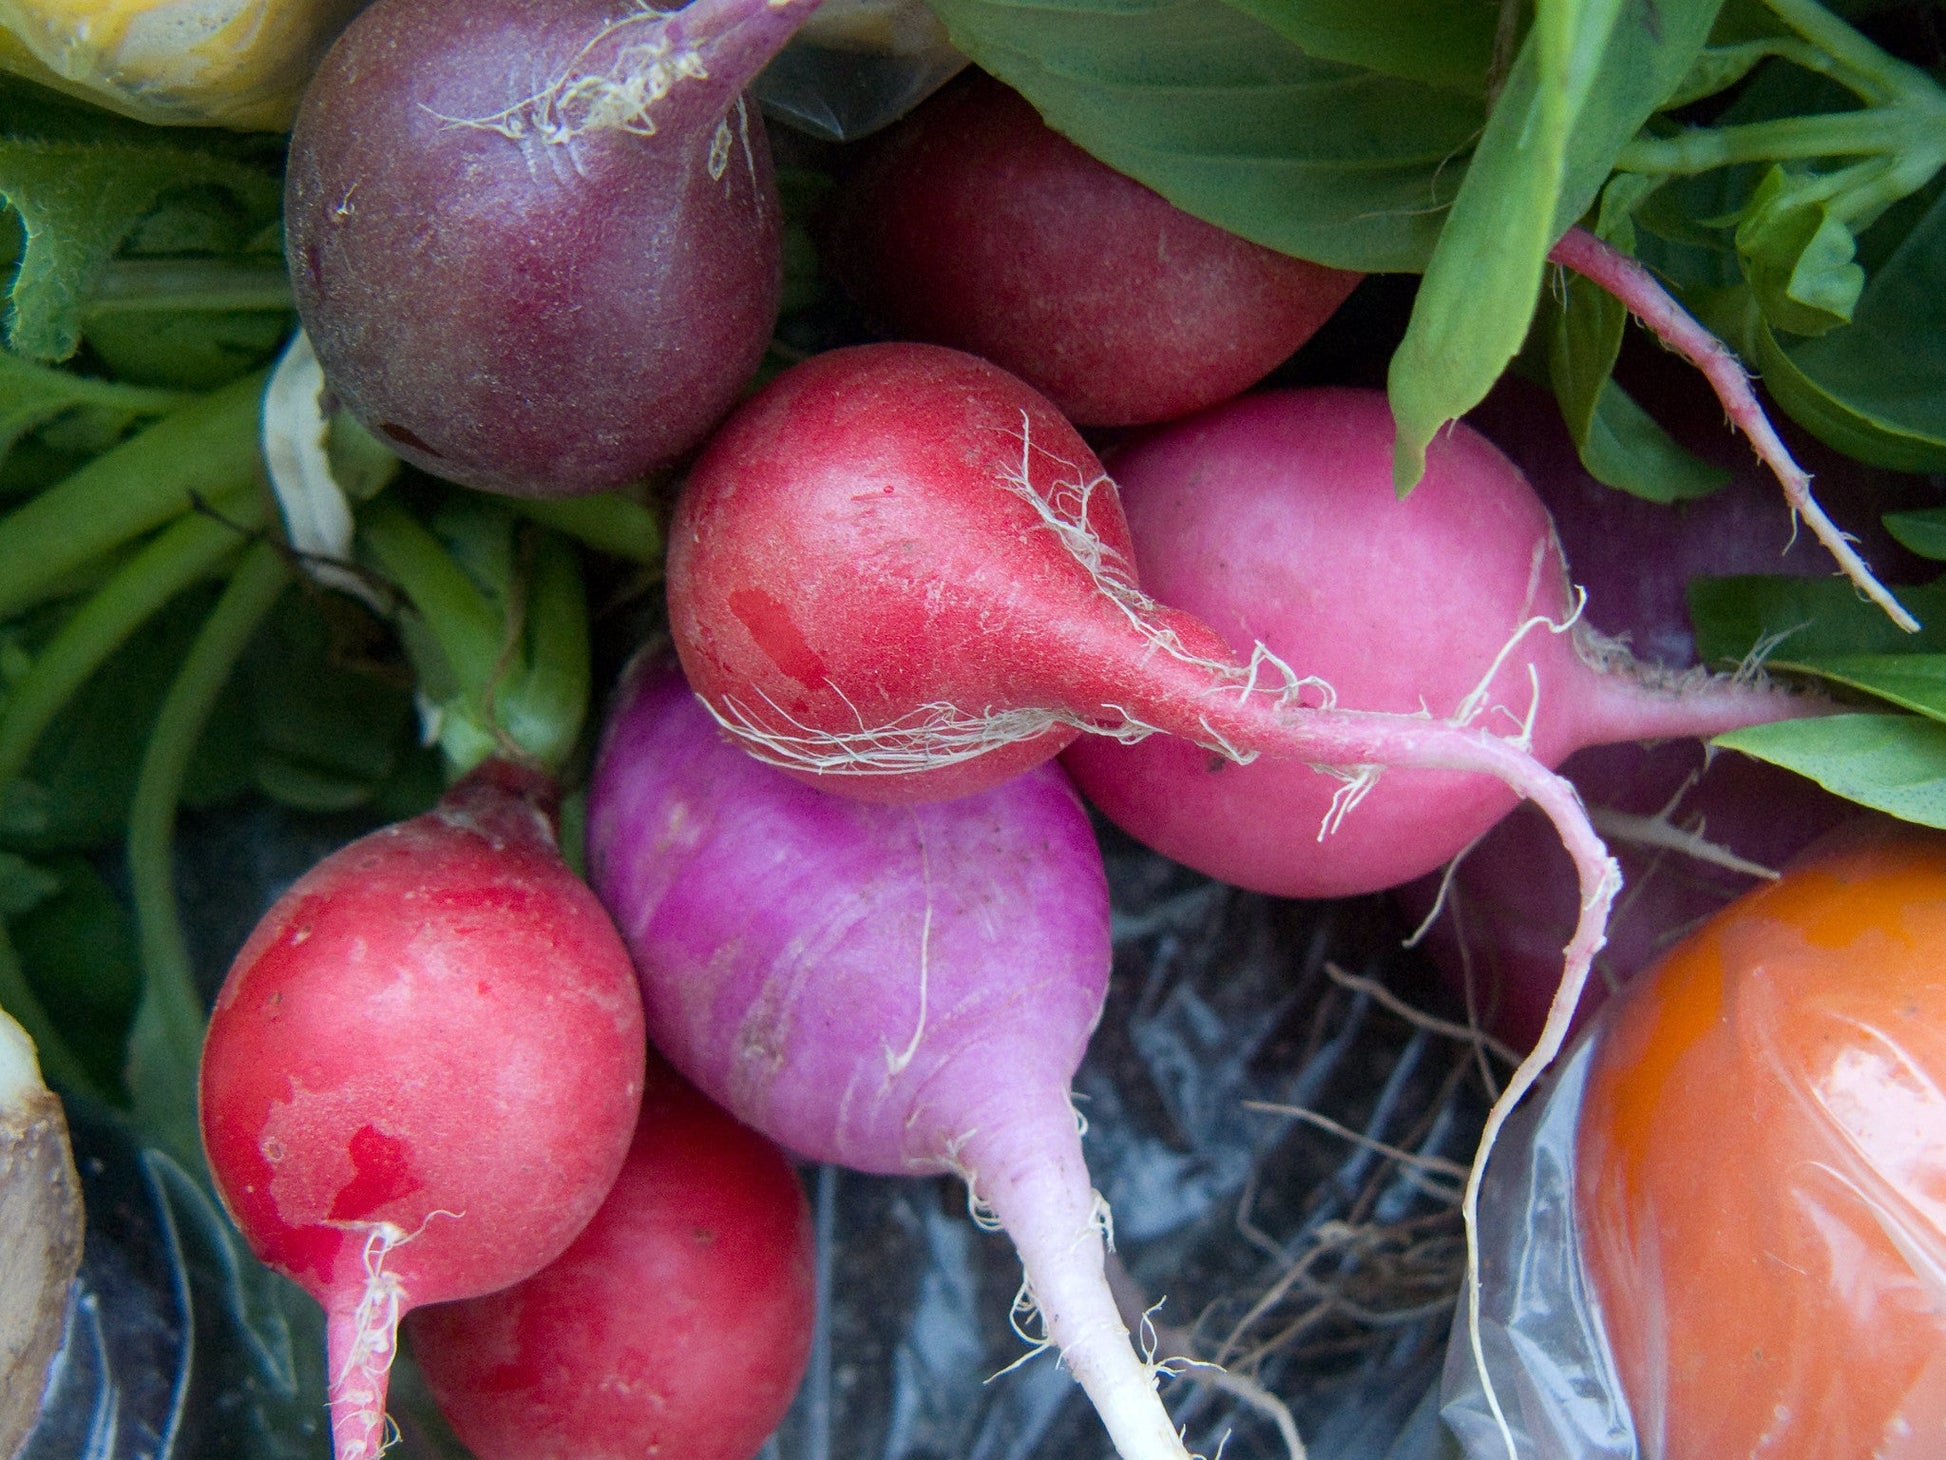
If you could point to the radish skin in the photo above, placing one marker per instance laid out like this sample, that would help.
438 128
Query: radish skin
898 989
1273 519
422 1073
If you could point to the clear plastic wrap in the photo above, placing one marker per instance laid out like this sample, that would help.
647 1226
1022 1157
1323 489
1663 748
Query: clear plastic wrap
858 66
1723 1231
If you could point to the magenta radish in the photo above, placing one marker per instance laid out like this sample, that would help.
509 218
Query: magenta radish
899 989
678 1322
422 1073
1274 520
974 224
536 243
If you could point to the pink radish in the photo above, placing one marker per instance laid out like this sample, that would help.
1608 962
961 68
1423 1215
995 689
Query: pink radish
974 224
423 1072
678 1323
899 989
1273 519
899 570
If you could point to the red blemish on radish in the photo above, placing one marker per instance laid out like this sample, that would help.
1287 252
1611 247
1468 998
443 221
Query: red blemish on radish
384 1167
777 634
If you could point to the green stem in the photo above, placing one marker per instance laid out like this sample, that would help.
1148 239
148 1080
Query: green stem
60 1065
607 522
208 449
461 621
1852 51
545 703
178 556
148 286
165 1045
1829 134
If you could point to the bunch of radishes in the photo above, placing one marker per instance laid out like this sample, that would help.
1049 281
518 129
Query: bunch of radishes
902 581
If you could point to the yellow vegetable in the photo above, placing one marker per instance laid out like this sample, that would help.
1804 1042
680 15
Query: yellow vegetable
231 63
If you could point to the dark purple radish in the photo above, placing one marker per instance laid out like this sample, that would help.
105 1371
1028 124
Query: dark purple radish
974 224
898 989
1692 831
422 1073
536 243
1274 520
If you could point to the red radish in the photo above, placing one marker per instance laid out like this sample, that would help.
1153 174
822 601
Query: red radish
1274 520
422 1073
974 224
678 1323
899 989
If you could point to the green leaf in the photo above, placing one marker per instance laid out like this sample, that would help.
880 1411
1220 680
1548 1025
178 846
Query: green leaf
1587 77
1232 122
1624 448
1892 763
77 950
1716 68
1876 389
192 350
1915 682
1806 619
1921 532
77 202
23 886
1446 42
32 395
1800 259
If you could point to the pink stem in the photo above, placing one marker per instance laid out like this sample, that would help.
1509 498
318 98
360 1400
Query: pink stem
1649 302
359 1353
1628 703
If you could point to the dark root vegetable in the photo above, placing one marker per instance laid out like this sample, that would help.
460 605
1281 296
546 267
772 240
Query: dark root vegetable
974 224
536 243
422 1073
677 1324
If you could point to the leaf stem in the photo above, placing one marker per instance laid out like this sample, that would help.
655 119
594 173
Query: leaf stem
607 522
149 286
207 449
456 613
1702 149
165 1045
1866 62
178 556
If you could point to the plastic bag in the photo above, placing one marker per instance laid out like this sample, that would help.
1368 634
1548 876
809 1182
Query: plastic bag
858 66
1724 1230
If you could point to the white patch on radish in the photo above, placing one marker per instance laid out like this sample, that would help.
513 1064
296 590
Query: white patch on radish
617 96
895 1064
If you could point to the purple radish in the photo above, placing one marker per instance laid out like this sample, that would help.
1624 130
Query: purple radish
898 989
536 243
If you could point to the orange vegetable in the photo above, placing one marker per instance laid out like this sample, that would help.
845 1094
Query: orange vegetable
1761 1188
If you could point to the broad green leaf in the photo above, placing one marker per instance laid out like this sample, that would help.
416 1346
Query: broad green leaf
1806 619
1588 76
1915 682
77 202
1232 122
1876 389
1627 450
1892 763
1800 259
1716 68
77 950
23 886
1921 532
1446 42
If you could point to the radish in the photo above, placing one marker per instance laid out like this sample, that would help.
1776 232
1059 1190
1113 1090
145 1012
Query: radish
422 1073
678 1322
1273 519
536 243
899 989
974 224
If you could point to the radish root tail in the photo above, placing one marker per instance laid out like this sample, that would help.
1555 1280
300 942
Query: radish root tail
1636 288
